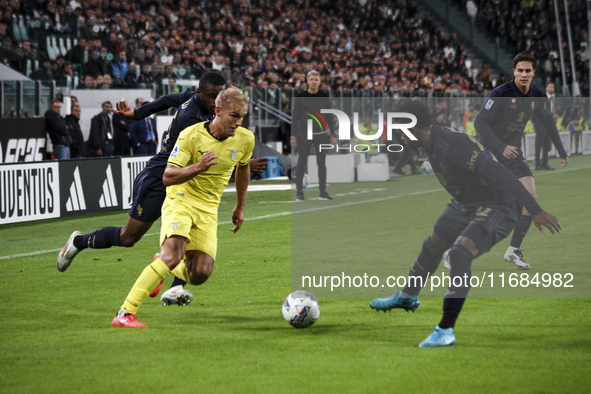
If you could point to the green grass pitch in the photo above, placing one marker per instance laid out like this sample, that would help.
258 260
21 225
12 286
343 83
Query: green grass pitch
55 334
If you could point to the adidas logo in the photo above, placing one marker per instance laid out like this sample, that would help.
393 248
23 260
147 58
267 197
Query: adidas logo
109 196
76 201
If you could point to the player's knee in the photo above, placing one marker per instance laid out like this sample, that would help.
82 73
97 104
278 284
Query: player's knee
468 245
429 248
200 274
438 243
461 260
172 256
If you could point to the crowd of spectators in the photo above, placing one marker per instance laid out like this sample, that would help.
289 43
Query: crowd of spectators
355 44
530 26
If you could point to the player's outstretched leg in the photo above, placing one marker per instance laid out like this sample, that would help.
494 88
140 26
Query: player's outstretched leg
439 337
397 300
68 252
100 239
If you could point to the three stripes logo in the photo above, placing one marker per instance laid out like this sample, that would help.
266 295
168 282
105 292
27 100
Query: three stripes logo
109 196
76 201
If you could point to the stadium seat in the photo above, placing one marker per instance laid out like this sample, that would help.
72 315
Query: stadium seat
15 29
49 48
62 46
23 27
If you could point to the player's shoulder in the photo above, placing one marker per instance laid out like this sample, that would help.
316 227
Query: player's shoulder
454 139
244 133
193 130
504 90
536 91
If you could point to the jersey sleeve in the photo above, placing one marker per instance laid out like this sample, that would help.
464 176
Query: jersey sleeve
173 100
183 150
248 151
484 122
493 171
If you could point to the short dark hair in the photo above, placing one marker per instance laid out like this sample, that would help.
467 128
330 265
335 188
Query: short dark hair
525 57
212 78
418 109
106 102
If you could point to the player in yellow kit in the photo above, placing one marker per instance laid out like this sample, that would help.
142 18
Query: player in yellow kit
197 172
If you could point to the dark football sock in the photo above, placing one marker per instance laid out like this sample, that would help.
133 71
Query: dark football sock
177 282
426 264
100 239
451 308
461 262
520 231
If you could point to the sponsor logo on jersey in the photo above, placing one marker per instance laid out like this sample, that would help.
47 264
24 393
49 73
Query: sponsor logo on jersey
175 152
488 104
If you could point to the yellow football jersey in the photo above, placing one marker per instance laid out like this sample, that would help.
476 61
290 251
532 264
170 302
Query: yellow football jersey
205 190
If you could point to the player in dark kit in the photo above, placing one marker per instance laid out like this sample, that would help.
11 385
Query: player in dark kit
501 122
486 204
317 100
148 190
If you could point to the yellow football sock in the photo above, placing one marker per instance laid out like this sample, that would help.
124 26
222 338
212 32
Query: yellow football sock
147 281
181 272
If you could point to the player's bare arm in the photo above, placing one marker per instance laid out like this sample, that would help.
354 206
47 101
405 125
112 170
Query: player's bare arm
175 175
123 110
242 178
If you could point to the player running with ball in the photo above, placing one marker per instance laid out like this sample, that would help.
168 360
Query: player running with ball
197 172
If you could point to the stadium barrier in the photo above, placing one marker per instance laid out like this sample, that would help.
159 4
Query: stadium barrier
22 140
53 189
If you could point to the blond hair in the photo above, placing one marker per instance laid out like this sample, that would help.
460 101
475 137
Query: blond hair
231 97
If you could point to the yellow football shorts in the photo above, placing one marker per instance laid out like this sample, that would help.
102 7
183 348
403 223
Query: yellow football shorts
198 227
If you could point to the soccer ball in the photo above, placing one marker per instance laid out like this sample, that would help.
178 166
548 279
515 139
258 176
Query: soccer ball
427 167
301 309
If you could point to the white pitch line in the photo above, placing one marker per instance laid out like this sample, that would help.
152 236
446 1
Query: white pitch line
29 254
274 215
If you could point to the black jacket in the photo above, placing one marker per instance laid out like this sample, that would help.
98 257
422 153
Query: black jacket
98 138
77 147
57 129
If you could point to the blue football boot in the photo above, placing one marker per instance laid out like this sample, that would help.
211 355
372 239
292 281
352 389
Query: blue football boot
439 337
396 300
